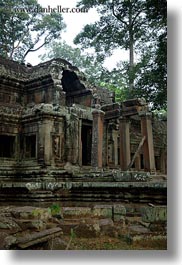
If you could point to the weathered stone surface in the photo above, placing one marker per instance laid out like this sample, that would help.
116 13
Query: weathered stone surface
3 236
8 223
56 244
36 233
158 227
38 224
136 238
28 212
44 111
76 211
71 168
39 237
119 211
138 229
154 214
102 211
88 229
9 241
67 225
131 176
107 227
25 212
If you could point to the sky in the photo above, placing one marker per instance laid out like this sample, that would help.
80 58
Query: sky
75 22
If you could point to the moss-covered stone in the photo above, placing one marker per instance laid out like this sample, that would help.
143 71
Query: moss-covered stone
154 214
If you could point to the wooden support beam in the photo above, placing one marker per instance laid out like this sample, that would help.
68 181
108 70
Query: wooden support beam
136 153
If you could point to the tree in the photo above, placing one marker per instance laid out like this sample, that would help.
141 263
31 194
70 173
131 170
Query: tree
122 24
26 28
140 27
152 68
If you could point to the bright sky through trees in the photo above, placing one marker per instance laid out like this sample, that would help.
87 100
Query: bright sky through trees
75 22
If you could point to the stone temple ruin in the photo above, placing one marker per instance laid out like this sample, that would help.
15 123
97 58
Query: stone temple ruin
64 139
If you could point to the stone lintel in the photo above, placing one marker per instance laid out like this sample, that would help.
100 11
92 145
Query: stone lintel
98 112
145 114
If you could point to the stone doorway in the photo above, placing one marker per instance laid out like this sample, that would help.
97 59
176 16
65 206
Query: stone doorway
7 146
86 137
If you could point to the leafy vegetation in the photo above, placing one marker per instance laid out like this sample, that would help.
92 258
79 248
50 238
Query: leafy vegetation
55 209
24 30
138 26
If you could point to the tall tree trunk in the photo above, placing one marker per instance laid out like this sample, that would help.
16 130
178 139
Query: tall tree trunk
131 50
131 64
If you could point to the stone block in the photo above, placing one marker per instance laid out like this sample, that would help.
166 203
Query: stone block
131 176
102 211
107 227
88 228
159 227
76 211
8 223
38 237
56 244
155 214
119 212
37 225
29 212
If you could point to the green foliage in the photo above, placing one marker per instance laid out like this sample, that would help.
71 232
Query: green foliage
114 26
41 214
25 30
55 209
72 234
160 114
140 27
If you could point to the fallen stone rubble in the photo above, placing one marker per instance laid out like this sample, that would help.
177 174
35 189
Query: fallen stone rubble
40 228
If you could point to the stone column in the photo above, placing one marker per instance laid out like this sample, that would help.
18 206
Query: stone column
115 139
45 142
163 159
80 142
97 138
138 163
105 145
148 147
125 156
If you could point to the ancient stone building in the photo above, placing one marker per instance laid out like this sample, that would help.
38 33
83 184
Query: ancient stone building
52 119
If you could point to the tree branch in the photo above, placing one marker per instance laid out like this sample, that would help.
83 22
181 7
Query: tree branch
36 49
115 15
135 17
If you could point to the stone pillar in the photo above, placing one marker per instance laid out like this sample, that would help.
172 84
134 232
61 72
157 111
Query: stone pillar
125 154
163 159
148 147
115 139
80 142
97 138
138 162
105 145
45 142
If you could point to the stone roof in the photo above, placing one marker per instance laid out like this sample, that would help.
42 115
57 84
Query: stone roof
15 70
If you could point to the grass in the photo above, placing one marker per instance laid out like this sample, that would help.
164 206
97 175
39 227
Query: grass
108 243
